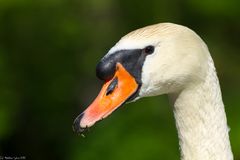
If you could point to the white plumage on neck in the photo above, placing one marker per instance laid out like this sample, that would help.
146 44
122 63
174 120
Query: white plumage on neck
181 66
201 120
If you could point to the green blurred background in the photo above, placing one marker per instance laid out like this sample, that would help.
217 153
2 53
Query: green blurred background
48 53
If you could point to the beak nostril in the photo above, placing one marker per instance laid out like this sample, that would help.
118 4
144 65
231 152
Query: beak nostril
112 86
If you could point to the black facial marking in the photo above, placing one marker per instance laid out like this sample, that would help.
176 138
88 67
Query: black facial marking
132 60
112 86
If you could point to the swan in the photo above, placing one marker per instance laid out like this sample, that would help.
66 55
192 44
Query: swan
170 59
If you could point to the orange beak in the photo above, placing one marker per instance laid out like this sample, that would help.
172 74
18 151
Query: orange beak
112 95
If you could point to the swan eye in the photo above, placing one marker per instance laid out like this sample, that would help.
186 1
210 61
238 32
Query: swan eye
149 49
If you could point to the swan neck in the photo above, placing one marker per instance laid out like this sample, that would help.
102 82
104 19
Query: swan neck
201 120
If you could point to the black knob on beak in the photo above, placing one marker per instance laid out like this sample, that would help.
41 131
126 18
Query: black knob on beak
106 68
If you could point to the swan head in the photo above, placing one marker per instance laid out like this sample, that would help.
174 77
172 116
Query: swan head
158 59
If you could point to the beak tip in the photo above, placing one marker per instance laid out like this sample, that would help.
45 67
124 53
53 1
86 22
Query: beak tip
76 124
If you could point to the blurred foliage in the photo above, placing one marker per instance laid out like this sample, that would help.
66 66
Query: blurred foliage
48 53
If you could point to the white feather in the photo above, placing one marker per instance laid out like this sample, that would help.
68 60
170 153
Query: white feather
182 67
